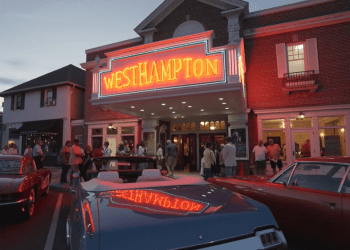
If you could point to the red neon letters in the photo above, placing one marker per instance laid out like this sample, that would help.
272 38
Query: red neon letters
170 68
155 199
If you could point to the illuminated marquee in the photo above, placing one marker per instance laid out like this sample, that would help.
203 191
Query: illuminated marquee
156 200
182 66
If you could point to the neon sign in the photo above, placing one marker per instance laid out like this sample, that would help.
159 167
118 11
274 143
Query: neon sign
156 201
165 68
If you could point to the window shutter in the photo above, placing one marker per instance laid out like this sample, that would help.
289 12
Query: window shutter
312 55
22 100
54 95
42 98
281 59
12 102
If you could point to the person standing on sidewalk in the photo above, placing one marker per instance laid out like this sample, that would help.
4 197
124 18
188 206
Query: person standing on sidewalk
4 151
229 155
274 152
159 156
209 159
259 155
28 152
75 157
38 155
65 153
171 153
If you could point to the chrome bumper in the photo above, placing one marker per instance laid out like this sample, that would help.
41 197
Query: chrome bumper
13 202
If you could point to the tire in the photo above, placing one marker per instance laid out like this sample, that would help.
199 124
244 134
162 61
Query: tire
29 207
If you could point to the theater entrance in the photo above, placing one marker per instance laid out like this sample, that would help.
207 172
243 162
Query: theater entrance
187 151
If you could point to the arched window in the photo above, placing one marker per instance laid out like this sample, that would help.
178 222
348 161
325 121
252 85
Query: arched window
188 28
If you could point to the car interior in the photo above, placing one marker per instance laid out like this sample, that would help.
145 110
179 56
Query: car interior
120 171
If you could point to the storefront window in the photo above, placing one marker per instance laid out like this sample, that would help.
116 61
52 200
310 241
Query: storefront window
301 123
335 121
97 131
273 124
332 142
112 131
96 142
128 130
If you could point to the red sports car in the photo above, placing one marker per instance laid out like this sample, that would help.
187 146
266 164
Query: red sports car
310 198
21 183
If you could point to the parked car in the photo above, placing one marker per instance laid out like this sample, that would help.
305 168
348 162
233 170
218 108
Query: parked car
310 198
21 183
133 206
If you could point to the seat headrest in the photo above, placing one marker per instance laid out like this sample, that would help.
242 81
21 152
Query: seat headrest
108 176
151 173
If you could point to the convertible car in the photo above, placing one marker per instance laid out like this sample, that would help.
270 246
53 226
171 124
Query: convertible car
310 198
21 183
131 205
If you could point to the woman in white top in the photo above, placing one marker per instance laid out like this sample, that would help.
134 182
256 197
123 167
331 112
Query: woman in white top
13 150
28 151
159 156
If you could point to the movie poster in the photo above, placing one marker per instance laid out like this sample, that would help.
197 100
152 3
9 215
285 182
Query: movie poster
239 139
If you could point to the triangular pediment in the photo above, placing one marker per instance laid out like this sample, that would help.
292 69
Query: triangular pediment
168 6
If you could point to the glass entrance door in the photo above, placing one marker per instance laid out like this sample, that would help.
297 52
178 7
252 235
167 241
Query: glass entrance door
301 144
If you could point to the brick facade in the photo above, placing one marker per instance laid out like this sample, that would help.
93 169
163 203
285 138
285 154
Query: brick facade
264 88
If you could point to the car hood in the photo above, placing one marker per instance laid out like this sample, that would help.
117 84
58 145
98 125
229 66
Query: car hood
10 182
176 216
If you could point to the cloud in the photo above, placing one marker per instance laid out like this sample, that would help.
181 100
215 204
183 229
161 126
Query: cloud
15 63
10 82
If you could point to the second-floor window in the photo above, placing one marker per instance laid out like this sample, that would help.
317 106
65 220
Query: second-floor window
18 101
48 97
296 58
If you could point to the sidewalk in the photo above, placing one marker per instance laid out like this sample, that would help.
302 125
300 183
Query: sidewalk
56 175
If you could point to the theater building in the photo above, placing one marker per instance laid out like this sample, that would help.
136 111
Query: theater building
297 77
201 70
181 79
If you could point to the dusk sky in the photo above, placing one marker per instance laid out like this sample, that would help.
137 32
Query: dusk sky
40 36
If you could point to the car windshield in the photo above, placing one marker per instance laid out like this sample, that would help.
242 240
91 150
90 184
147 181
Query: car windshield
10 166
123 164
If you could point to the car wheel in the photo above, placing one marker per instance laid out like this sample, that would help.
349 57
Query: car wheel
29 208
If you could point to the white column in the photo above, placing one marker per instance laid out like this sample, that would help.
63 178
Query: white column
289 141
66 133
315 141
347 134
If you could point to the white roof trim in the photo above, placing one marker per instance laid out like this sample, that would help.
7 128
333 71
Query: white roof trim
114 45
287 7
168 6
298 25
40 87
77 122
303 109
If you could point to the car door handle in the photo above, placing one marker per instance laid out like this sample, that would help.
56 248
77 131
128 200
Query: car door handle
260 189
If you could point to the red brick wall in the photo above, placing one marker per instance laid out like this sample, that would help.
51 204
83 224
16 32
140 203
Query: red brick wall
264 88
94 113
209 16
298 14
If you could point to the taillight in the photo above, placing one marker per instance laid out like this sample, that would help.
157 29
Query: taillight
88 220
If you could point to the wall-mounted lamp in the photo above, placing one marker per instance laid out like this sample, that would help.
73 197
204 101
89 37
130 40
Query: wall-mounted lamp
301 116
110 125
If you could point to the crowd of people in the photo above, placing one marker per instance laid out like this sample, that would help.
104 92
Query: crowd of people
218 160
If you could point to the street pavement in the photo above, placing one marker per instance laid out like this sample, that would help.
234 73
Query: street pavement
46 229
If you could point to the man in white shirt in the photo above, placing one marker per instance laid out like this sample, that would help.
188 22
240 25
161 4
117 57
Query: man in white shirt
107 152
259 155
38 155
229 156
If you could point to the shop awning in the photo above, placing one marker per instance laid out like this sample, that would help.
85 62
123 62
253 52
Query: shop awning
37 127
